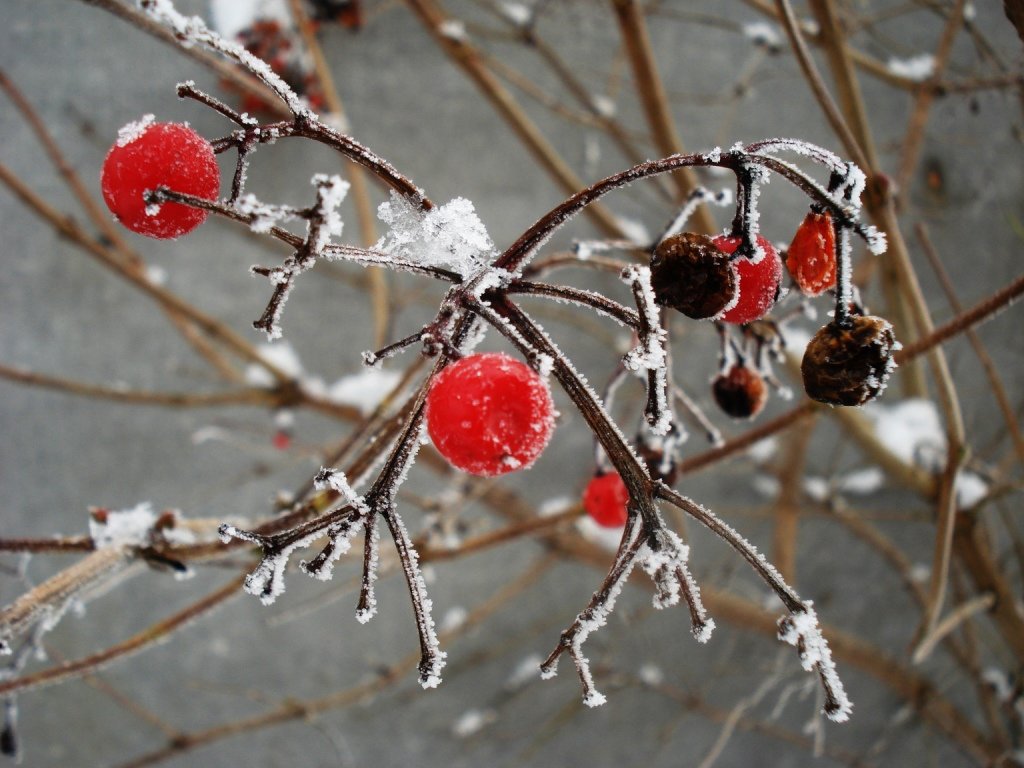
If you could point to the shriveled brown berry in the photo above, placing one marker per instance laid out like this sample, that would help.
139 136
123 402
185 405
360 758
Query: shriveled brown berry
851 365
692 275
740 392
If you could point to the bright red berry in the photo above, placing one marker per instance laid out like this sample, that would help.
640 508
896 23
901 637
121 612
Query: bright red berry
147 156
756 283
811 258
605 499
281 440
489 414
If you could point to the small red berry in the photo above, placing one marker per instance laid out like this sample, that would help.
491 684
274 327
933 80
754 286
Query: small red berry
281 440
605 500
489 414
147 156
811 258
756 283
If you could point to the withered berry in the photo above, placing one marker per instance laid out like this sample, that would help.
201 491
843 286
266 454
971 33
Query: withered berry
849 365
740 392
690 274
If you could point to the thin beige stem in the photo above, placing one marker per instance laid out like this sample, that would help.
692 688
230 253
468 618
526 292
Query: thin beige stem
465 56
954 619
824 98
925 97
355 172
651 90
787 505
247 396
293 709
236 76
105 224
153 634
833 40
987 364
50 599
68 227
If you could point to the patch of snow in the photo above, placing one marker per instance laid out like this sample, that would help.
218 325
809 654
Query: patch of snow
364 390
125 528
917 68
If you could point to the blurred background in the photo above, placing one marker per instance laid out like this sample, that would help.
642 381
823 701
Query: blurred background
340 693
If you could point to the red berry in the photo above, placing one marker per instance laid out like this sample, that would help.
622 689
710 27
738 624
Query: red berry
605 500
756 283
159 154
281 440
489 414
811 258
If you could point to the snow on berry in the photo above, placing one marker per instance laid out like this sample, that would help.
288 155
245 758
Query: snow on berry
489 414
605 499
811 258
757 281
148 155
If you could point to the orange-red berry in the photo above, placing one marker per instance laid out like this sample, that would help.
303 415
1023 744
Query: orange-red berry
811 258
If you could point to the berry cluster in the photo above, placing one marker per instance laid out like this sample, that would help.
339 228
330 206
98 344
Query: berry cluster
490 414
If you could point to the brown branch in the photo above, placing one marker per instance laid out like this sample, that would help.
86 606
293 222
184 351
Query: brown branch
153 634
633 28
464 55
987 364
247 396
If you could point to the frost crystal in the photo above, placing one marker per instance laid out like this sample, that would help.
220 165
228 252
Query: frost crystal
129 132
264 216
450 235
191 30
330 192
801 629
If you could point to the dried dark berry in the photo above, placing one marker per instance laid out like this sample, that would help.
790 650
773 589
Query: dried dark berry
740 392
691 274
851 365
660 463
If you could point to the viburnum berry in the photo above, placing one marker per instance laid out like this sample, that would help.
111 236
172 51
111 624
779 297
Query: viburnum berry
740 392
605 499
851 364
148 155
757 283
489 414
811 258
691 275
